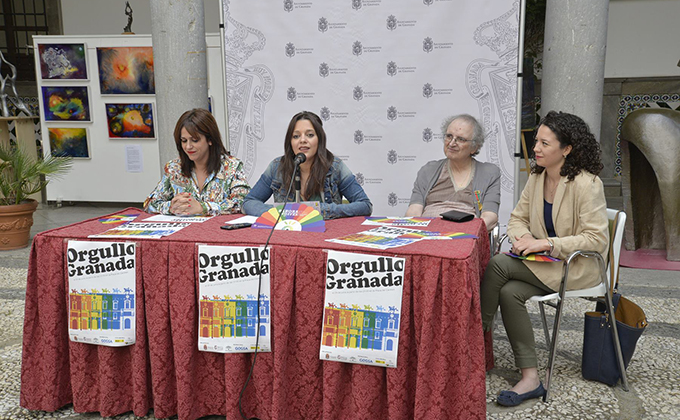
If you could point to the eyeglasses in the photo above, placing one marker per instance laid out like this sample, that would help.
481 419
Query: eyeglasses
448 138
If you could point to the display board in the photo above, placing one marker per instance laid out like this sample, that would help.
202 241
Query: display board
382 75
97 104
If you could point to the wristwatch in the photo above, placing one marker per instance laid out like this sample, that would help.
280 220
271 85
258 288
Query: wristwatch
551 246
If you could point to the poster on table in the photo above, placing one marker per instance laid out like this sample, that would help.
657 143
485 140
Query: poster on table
228 301
381 237
146 230
362 309
101 284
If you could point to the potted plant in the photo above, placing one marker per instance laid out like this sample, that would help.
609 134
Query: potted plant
21 176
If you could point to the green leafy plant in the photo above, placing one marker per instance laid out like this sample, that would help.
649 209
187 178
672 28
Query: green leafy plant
21 175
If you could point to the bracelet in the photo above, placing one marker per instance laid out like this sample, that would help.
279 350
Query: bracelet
551 246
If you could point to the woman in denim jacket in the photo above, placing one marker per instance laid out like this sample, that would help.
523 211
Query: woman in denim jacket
324 178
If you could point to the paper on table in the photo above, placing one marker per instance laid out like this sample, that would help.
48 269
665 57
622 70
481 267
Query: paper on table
243 219
177 219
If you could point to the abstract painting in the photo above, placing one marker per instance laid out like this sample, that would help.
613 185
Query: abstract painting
126 71
63 61
69 142
130 121
65 103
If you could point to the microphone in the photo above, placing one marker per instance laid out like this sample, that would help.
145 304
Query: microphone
299 158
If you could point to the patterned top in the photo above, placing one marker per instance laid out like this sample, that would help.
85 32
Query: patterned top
222 193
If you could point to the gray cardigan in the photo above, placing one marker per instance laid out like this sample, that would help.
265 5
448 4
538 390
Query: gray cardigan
487 181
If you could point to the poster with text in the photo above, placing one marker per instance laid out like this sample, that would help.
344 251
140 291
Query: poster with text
362 309
101 282
233 316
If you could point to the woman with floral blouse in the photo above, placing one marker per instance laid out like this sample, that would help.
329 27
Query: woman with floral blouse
205 179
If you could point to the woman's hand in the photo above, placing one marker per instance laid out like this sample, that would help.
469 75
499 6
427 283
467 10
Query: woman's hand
184 205
527 244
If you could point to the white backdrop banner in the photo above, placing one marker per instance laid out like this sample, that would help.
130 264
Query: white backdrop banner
382 75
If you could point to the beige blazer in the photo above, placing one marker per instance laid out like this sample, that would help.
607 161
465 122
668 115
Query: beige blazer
580 220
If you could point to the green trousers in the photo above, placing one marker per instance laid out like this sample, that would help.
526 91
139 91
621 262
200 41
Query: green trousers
509 283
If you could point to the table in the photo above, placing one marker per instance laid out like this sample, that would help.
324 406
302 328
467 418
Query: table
441 360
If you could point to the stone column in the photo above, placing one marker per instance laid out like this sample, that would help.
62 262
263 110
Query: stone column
180 66
573 59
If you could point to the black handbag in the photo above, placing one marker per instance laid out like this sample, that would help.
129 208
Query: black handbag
598 361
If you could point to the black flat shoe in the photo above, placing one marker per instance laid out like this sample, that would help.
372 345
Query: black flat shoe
511 399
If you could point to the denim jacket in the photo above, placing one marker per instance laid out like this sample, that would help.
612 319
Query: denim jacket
339 182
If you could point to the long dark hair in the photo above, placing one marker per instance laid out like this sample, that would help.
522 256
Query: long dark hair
200 121
572 131
322 161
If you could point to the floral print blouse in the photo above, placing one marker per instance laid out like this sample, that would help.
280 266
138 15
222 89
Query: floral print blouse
222 193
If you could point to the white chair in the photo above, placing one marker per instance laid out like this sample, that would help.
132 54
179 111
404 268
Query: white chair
608 276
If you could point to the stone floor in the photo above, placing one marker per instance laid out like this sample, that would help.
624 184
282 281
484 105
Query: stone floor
654 372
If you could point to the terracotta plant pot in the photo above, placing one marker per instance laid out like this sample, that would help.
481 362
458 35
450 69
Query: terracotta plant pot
15 224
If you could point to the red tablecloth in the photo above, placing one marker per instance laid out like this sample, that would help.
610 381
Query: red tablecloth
441 362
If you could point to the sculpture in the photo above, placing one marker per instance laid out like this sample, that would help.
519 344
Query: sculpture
650 150
18 103
128 12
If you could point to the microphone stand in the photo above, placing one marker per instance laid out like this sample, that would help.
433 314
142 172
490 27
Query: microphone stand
296 177
297 183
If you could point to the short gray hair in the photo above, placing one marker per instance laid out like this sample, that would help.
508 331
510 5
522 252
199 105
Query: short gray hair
477 139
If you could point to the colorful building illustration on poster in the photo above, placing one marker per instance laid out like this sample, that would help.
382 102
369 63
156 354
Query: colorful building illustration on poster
360 328
362 308
233 318
102 301
105 310
226 317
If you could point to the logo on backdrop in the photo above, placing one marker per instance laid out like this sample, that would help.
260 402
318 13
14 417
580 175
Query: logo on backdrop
323 24
323 70
391 22
292 94
428 44
392 199
325 114
360 178
358 93
357 48
427 90
428 2
391 68
288 5
392 113
427 135
290 49
356 4
358 137
392 157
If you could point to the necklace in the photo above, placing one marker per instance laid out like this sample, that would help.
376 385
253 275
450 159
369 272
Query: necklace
550 190
465 181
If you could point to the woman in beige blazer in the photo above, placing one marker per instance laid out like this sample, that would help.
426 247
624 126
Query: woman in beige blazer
562 209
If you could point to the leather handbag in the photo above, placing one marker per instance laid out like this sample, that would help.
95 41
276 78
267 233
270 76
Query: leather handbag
598 361
599 356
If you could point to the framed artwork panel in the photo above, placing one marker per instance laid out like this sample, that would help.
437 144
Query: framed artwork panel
66 103
126 71
63 61
73 142
130 121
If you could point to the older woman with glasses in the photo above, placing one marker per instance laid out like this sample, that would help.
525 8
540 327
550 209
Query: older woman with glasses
458 182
